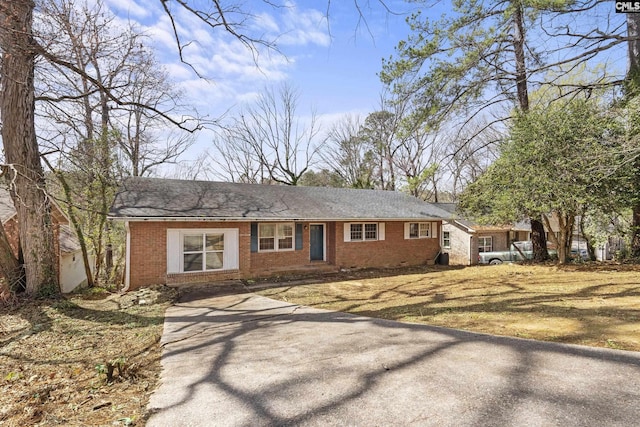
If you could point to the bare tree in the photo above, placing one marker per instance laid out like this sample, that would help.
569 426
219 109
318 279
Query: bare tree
269 142
236 159
468 158
20 46
145 139
94 140
349 155
419 158
380 131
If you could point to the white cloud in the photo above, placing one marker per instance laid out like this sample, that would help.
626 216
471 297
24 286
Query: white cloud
267 22
302 27
130 8
235 75
178 71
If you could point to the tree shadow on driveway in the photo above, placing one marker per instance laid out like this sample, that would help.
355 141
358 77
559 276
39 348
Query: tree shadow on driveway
246 360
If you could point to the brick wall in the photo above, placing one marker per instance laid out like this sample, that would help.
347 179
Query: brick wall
393 251
148 252
11 230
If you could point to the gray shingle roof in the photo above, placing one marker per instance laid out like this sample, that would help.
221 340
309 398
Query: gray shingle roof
452 208
179 199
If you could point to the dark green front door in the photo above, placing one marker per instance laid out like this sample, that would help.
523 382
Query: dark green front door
316 242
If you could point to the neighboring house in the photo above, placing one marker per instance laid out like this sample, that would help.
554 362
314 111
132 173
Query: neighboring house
606 251
71 272
462 239
196 231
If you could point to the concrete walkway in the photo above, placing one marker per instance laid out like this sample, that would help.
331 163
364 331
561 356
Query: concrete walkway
246 360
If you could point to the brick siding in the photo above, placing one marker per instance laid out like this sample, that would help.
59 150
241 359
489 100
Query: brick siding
148 253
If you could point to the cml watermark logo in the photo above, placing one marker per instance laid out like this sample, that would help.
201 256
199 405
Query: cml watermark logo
628 7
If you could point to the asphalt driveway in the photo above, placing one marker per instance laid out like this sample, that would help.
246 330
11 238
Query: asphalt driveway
246 360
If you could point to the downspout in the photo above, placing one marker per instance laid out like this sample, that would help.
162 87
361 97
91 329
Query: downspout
470 247
127 259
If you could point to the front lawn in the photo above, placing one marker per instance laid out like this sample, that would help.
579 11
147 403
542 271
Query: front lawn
595 305
87 359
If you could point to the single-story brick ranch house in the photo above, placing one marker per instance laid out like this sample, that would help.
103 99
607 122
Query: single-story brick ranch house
182 231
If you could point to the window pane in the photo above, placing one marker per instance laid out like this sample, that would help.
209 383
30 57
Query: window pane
424 229
371 231
286 243
356 231
214 260
267 243
285 230
267 230
215 242
413 230
192 262
485 244
192 243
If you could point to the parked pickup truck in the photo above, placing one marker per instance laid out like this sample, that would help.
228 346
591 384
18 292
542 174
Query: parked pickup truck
510 255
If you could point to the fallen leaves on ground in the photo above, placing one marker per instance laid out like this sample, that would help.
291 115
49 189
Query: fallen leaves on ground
87 359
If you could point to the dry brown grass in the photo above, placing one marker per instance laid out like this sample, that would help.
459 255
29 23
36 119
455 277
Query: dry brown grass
595 305
54 357
53 354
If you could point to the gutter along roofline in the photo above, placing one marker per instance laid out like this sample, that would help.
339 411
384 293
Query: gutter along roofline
266 219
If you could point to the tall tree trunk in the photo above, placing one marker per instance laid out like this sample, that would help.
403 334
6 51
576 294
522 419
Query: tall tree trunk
540 252
519 50
635 239
538 239
633 89
17 105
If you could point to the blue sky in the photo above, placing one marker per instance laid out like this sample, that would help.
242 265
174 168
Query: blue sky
332 57
334 64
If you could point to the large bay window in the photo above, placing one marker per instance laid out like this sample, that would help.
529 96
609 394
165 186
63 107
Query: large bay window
193 250
202 252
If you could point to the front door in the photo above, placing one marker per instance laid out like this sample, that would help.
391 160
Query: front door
316 242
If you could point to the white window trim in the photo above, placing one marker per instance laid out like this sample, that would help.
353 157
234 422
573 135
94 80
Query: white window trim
447 246
276 237
407 230
380 231
484 238
204 250
175 254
